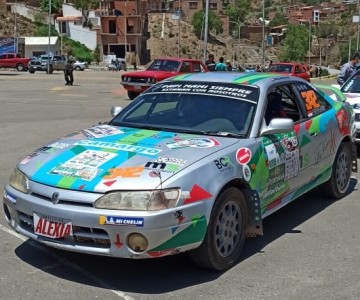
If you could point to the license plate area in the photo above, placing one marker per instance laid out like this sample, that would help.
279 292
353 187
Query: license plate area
52 227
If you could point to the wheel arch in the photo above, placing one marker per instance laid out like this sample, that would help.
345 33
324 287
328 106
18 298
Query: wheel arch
254 221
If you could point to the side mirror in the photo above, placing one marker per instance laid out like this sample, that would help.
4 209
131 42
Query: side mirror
277 125
115 110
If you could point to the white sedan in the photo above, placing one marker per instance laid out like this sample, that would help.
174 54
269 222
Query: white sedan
80 66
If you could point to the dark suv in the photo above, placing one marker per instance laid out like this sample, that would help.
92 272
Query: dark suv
57 63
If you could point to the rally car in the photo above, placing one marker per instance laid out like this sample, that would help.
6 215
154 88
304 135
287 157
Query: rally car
194 164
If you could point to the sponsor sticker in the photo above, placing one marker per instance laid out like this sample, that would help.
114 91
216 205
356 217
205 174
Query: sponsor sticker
52 227
10 197
194 143
126 221
243 156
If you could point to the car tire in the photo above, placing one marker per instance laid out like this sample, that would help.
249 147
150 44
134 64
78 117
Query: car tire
20 67
31 71
77 68
132 95
225 236
338 184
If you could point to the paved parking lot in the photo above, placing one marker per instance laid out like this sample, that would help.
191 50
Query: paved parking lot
310 250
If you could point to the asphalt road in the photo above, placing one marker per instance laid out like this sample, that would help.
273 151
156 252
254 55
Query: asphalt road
310 250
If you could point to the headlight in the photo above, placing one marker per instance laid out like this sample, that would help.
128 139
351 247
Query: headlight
356 106
124 78
139 200
19 181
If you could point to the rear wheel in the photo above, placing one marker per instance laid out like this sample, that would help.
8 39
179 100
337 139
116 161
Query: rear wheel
225 237
339 181
20 67
50 70
132 95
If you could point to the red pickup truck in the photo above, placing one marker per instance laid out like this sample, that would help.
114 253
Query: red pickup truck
13 60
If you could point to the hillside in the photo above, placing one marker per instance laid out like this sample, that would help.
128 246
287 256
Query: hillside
24 26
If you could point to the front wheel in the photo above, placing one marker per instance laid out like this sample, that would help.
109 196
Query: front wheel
77 68
339 181
225 236
132 95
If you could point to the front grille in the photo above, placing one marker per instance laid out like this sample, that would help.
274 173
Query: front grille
35 63
357 117
82 236
62 201
137 80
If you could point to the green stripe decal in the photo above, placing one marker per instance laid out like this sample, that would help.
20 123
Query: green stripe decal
254 77
138 136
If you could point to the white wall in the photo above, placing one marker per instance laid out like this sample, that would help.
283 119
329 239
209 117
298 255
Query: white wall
76 31
29 12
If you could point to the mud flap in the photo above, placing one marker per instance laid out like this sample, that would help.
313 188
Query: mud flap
354 166
254 226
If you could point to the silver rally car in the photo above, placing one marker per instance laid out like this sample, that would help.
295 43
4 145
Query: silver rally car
194 164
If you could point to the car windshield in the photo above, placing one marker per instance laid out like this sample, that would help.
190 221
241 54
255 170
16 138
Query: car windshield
201 108
164 65
283 68
352 85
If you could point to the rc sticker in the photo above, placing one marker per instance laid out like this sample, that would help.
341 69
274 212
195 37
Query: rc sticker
243 156
246 172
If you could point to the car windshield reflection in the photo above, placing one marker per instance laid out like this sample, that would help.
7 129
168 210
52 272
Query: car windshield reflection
190 112
164 65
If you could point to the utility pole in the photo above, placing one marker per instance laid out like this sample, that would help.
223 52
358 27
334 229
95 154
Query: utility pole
15 28
263 34
309 61
49 32
206 28
179 16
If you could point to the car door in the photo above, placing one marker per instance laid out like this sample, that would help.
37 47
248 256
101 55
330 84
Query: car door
281 165
316 134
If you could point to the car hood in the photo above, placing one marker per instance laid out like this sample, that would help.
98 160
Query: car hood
151 74
104 158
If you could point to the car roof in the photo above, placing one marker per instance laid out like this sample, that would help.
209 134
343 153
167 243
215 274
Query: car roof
253 78
177 59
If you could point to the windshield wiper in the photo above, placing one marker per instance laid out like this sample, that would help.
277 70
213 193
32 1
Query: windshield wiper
223 133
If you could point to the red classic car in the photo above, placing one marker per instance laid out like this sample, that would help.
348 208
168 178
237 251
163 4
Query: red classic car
159 69
291 69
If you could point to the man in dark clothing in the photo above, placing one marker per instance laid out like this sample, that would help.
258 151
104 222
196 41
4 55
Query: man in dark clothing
210 63
68 71
348 69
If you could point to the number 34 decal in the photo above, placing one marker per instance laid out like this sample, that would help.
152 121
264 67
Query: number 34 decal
310 99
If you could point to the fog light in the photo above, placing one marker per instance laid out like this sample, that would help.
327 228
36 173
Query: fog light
137 242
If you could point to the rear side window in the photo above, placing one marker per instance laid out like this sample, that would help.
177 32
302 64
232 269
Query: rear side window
197 67
314 103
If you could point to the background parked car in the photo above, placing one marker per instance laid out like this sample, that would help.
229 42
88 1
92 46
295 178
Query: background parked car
80 66
159 69
291 69
57 63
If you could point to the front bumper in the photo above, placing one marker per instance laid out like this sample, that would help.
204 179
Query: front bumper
90 234
136 86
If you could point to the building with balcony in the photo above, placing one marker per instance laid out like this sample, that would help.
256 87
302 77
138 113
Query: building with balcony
124 28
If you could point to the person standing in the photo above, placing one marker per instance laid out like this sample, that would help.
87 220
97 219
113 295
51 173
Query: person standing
210 63
68 71
220 66
348 69
229 67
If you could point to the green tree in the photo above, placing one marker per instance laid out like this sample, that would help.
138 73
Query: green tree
84 6
295 45
279 19
56 5
214 24
239 11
